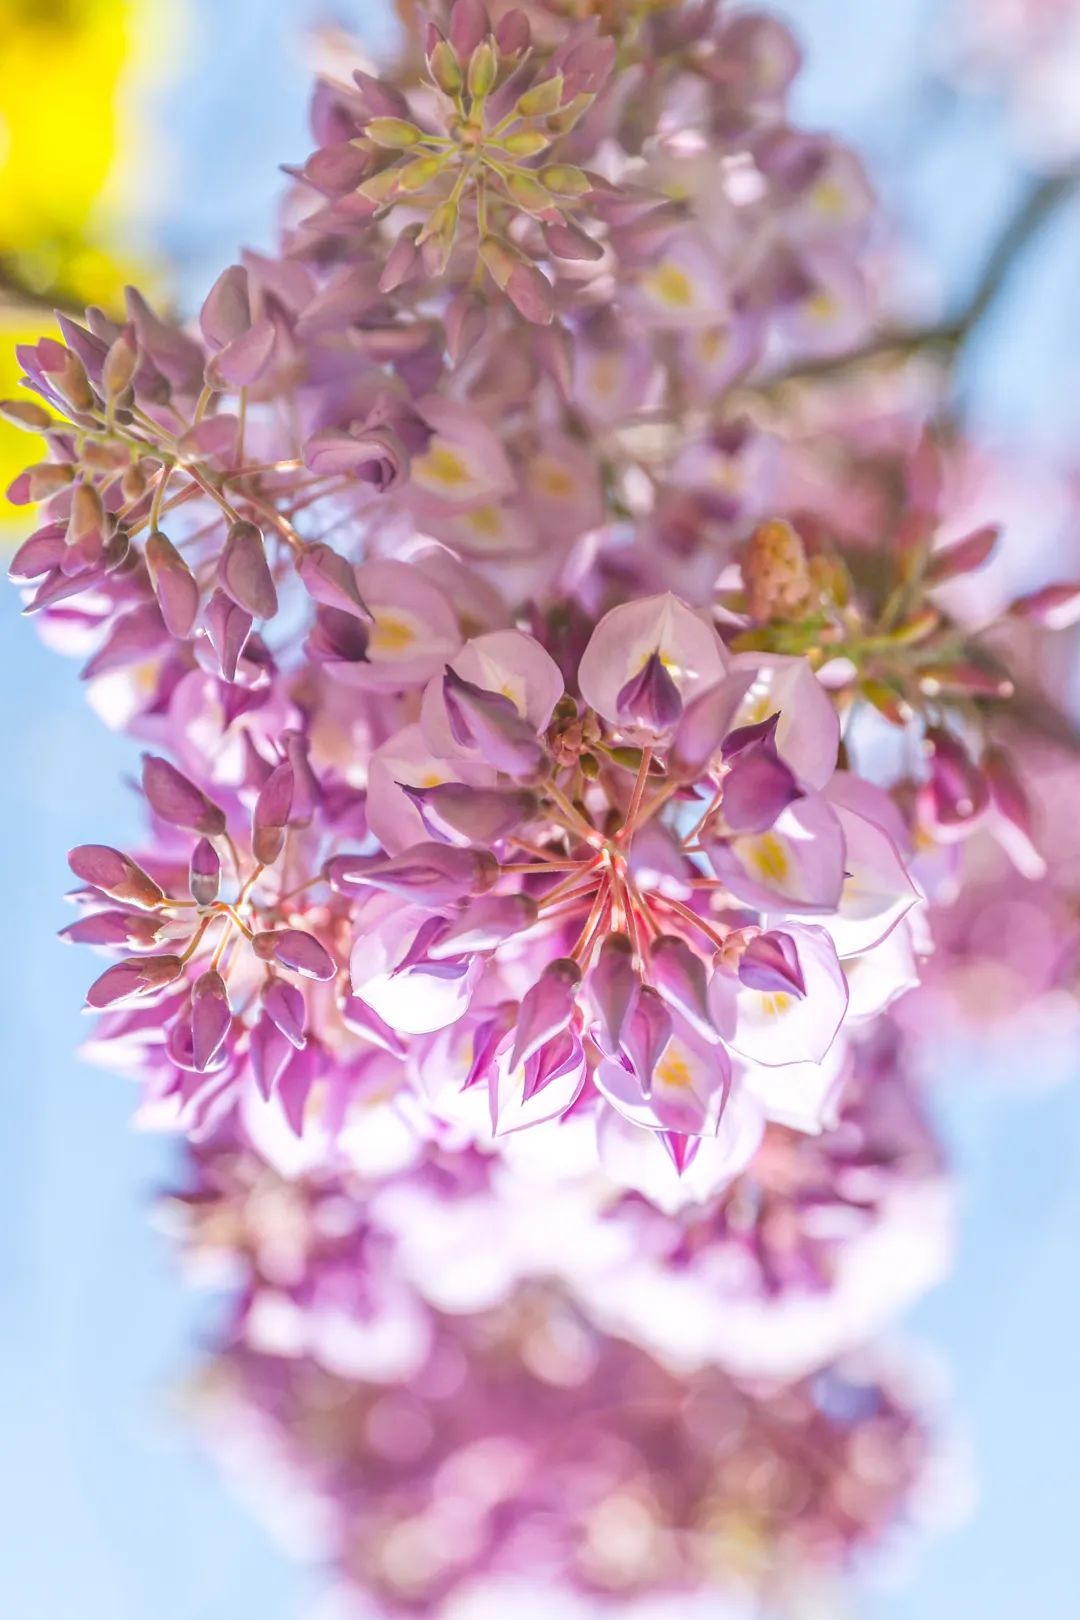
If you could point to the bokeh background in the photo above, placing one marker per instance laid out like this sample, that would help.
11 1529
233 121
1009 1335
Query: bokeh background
142 139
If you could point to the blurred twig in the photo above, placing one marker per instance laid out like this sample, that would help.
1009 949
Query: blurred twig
1041 201
18 293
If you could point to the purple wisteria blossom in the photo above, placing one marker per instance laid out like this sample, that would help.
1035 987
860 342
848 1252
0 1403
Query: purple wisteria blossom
585 777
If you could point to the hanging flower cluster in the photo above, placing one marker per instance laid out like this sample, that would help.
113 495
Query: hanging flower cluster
569 723
456 1457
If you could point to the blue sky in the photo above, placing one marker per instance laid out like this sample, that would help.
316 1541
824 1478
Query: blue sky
109 1514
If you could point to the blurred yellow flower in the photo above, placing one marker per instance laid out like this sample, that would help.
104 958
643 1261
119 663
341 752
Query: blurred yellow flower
66 117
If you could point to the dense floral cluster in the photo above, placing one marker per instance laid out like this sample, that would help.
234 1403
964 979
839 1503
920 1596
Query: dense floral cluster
582 1465
570 725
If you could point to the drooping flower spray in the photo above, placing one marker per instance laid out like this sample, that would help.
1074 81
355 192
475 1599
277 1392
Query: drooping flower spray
561 740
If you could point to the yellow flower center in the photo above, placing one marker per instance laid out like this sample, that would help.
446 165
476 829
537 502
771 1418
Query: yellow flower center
547 478
674 1069
770 859
390 635
669 284
441 465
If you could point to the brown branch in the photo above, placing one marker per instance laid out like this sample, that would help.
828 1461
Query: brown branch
1041 201
17 293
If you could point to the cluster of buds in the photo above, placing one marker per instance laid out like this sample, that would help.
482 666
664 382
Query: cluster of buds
227 991
492 156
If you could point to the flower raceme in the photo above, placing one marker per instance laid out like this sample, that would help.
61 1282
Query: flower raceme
646 921
637 924
475 575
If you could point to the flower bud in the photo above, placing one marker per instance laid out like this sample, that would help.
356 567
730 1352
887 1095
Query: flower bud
526 143
116 875
135 976
85 538
331 580
427 874
963 556
545 1009
173 583
119 365
484 924
283 1003
542 99
25 414
468 815
296 950
1056 606
566 180
418 174
679 975
210 1018
512 33
401 261
445 68
227 627
528 194
244 573
71 382
437 237
270 818
394 133
563 121
178 801
499 258
645 1035
483 70
468 24
204 873
38 482
963 680
614 986
133 483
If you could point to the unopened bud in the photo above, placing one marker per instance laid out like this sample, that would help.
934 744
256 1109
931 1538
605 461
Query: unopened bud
528 194
381 187
174 585
1056 606
72 383
500 259
563 121
395 133
963 680
445 68
542 100
47 478
116 875
25 414
133 483
418 174
963 556
566 179
483 70
526 143
887 701
104 457
437 237
119 365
